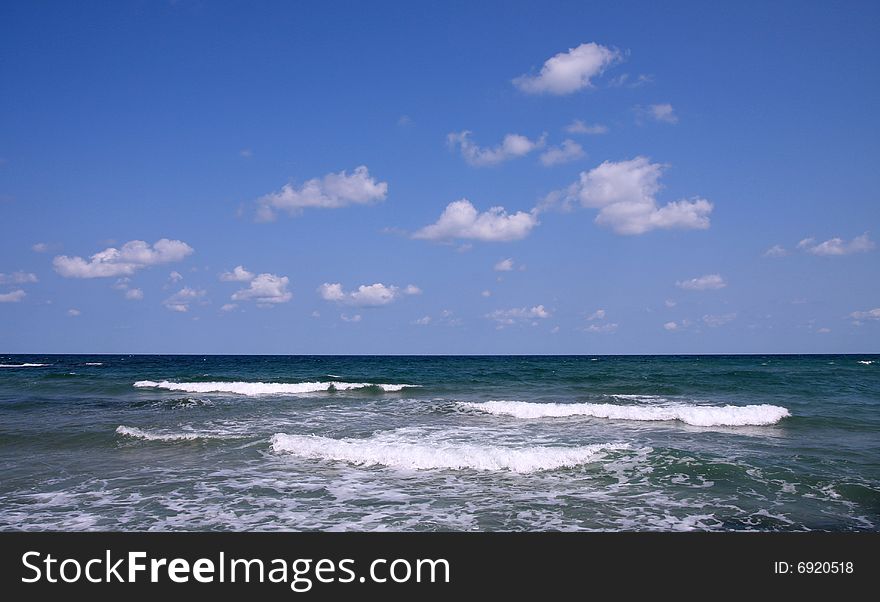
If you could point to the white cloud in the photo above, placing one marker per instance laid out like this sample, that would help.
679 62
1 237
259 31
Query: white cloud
623 80
372 295
40 247
112 262
246 153
461 219
18 278
505 265
73 312
670 326
238 274
569 71
776 251
13 296
823 330
837 246
134 294
599 314
333 191
486 293
709 282
175 276
661 112
624 192
579 127
404 121
423 321
228 306
347 318
182 299
512 147
670 303
507 317
718 320
870 314
602 328
568 151
265 290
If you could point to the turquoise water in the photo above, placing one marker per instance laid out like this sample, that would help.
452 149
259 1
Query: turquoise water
471 443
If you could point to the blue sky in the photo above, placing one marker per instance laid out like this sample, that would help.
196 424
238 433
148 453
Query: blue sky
682 178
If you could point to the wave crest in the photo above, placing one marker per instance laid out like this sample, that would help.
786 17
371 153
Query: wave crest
259 388
696 415
396 452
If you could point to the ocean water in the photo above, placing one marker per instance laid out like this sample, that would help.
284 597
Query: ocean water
120 442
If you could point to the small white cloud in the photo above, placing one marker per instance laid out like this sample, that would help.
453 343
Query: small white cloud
265 290
13 296
823 330
316 314
347 318
579 127
372 295
599 314
567 152
40 247
837 246
602 328
486 293
134 294
709 282
870 314
246 153
226 307
512 146
73 312
175 276
569 71
660 112
423 321
18 278
182 299
776 251
625 192
554 330
626 80
404 121
670 326
505 265
715 321
238 274
461 219
670 303
333 191
125 261
507 317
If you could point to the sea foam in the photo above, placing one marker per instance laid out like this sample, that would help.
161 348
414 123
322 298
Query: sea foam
696 415
258 388
131 431
403 453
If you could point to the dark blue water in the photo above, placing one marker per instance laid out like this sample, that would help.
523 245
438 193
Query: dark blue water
440 443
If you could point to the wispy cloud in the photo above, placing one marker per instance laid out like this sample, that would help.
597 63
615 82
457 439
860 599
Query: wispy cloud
709 282
125 261
182 299
566 152
579 127
18 278
512 146
837 246
13 296
508 317
366 295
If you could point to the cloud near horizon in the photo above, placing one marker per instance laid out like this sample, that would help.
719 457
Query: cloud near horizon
366 295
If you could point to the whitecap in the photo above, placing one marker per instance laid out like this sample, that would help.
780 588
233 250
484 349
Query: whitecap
134 432
260 388
696 415
23 365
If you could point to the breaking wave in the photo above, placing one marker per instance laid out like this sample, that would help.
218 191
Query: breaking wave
258 388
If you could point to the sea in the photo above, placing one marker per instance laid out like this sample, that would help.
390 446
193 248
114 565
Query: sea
440 443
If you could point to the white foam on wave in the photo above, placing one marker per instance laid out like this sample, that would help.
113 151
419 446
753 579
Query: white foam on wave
258 388
866 362
22 365
94 363
404 453
131 431
696 415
